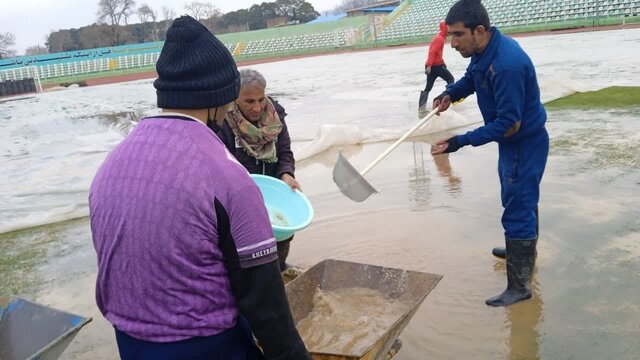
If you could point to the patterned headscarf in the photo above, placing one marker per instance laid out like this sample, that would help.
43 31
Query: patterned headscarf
257 140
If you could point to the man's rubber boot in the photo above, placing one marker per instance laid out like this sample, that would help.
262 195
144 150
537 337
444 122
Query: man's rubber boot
423 100
283 252
499 251
521 259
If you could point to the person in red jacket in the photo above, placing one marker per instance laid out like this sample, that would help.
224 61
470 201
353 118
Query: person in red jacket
435 66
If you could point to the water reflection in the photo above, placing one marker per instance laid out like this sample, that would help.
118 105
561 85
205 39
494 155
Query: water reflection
524 320
419 177
443 165
420 192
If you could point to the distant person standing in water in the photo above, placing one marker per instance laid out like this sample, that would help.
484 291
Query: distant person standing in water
504 80
435 66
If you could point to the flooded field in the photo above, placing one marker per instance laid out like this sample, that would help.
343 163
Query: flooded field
432 214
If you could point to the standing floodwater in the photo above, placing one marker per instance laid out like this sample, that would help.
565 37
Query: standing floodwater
432 215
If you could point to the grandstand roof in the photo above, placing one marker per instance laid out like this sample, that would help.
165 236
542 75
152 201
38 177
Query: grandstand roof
325 18
392 3
381 9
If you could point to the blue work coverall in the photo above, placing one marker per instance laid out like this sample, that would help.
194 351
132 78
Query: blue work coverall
504 81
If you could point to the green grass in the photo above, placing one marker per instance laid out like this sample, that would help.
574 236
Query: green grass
612 97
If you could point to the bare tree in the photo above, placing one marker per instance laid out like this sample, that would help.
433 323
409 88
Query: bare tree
145 13
210 11
128 13
115 11
154 19
167 16
196 9
35 50
7 41
210 16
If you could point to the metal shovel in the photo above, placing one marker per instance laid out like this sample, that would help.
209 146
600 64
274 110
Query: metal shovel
352 183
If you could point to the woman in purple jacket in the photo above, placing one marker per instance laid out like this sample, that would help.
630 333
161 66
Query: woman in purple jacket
255 132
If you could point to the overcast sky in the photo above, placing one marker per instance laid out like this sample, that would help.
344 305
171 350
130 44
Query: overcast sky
31 21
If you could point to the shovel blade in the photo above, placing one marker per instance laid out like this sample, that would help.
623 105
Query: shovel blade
350 182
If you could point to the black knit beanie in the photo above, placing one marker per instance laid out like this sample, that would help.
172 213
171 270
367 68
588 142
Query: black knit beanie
195 69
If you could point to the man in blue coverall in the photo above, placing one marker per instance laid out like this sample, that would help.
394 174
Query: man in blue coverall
504 80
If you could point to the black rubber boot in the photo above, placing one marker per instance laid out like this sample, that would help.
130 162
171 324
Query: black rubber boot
499 251
283 252
422 102
521 259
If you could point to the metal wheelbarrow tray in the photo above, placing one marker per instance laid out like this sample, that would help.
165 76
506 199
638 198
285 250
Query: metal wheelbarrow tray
409 287
33 331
